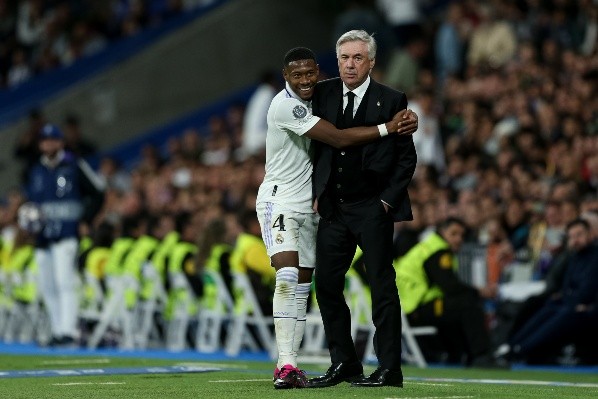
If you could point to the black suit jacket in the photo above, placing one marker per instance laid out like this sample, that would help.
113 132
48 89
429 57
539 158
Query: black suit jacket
392 158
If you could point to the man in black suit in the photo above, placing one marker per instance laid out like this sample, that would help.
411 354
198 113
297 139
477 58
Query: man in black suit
360 192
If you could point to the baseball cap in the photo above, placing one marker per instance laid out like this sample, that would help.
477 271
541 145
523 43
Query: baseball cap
50 131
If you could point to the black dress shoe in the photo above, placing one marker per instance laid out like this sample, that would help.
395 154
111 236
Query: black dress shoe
54 341
337 373
381 378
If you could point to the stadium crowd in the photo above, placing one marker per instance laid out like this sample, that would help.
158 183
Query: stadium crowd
507 139
38 36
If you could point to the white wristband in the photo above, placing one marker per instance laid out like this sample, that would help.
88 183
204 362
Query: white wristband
382 130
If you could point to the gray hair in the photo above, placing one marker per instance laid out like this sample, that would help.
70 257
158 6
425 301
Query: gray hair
358 36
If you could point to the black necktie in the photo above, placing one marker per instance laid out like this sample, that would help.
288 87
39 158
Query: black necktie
348 114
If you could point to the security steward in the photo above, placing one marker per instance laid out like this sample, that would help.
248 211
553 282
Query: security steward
432 294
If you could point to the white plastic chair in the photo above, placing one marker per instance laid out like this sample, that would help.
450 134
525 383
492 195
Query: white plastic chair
212 320
246 315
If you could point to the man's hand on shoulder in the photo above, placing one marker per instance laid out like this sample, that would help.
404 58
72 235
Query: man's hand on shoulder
403 123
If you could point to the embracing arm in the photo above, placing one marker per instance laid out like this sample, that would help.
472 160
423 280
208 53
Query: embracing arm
403 122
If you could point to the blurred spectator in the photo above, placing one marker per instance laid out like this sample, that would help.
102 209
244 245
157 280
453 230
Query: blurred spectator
587 20
449 45
116 178
499 252
218 143
191 145
404 16
74 139
254 120
85 40
30 22
546 237
68 193
20 71
516 223
493 41
568 311
592 218
26 148
402 71
428 141
363 14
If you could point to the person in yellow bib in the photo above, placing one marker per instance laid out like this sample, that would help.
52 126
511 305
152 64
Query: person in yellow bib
432 294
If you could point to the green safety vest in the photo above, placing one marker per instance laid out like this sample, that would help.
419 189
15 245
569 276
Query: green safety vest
178 255
140 252
175 265
95 265
97 260
85 243
160 257
4 299
23 262
118 251
413 284
210 293
244 241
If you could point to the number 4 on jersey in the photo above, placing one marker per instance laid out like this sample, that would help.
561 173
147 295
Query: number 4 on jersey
279 222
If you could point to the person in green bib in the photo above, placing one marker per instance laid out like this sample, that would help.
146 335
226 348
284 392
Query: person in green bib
432 294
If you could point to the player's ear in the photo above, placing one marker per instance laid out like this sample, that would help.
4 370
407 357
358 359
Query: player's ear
284 73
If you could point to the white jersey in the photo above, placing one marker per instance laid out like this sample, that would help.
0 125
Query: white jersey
288 161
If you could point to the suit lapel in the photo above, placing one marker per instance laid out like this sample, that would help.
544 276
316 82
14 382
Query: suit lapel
372 118
374 106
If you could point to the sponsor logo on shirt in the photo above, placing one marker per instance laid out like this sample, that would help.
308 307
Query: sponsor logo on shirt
299 111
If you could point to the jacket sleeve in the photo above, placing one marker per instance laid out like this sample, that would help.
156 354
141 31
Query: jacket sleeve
92 190
404 167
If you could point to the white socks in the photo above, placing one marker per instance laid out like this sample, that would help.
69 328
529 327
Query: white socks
302 293
284 306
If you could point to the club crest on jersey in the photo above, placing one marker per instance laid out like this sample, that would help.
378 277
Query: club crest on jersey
299 111
279 239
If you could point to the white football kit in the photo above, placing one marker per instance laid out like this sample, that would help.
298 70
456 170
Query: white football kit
284 200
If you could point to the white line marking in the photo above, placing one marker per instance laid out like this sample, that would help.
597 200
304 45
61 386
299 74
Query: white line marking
255 380
76 361
218 365
508 382
89 383
435 397
430 383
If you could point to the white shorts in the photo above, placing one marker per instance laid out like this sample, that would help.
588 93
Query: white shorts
285 230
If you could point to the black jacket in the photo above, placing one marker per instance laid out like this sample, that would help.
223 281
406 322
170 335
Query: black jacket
391 159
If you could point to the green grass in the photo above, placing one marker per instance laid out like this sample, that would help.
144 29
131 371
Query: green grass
253 380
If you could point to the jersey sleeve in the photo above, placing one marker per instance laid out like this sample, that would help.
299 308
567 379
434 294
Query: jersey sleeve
294 116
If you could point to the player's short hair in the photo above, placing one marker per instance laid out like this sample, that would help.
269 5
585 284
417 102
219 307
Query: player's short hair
358 36
299 53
